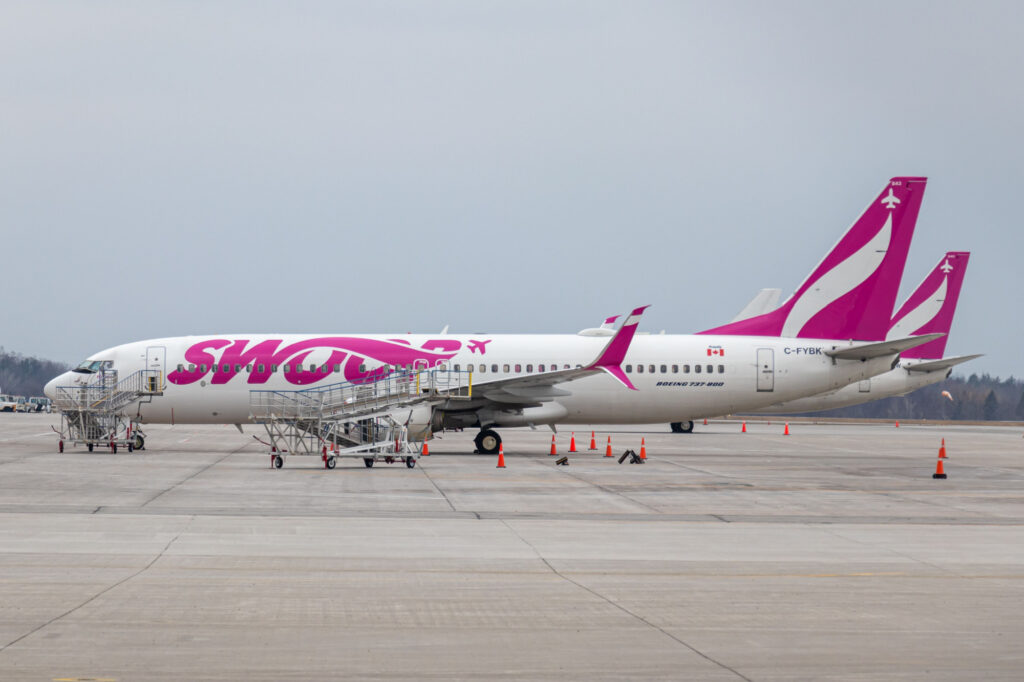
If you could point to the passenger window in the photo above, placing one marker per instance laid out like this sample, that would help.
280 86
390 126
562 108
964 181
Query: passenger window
494 368
261 368
651 369
248 368
483 369
337 368
639 369
664 369
362 367
202 368
721 369
181 368
287 368
192 367
686 369
519 368
505 369
579 366
238 368
629 369
711 369
457 367
696 369
529 368
565 366
675 369
226 368
540 368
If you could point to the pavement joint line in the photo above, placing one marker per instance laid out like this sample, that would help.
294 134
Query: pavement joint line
835 533
608 491
424 471
622 608
193 475
102 592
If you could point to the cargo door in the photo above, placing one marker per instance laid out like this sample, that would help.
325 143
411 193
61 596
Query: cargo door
765 369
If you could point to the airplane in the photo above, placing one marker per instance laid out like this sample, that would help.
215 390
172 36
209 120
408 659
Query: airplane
928 310
830 333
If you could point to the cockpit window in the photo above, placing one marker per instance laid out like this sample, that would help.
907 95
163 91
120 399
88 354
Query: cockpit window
92 366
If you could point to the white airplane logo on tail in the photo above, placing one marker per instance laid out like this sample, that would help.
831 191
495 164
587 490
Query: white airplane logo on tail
946 267
891 200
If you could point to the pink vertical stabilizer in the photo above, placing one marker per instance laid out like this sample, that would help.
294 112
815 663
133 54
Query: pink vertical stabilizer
852 292
931 307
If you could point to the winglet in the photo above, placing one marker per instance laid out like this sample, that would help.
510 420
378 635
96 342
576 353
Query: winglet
614 353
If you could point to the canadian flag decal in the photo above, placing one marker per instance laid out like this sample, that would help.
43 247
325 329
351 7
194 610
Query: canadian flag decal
716 350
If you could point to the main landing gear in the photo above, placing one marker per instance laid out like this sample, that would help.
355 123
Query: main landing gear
682 427
487 442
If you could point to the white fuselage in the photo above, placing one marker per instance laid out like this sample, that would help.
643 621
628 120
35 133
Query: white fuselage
735 373
896 382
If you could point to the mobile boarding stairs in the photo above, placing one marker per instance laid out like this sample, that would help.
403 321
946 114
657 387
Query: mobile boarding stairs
92 414
368 420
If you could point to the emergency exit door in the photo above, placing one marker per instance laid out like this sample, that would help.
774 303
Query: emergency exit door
765 369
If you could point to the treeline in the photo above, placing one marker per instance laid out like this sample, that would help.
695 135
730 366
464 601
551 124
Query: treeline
20 375
975 398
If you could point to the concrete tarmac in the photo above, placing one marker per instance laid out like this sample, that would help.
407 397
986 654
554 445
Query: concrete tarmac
829 554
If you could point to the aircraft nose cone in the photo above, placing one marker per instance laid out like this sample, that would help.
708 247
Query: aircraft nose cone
50 390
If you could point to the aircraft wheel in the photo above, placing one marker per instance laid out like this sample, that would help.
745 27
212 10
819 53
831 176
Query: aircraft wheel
330 462
410 462
89 446
487 442
139 442
368 461
682 427
278 461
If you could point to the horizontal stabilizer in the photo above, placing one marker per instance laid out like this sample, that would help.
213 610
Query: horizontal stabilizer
940 365
868 351
766 301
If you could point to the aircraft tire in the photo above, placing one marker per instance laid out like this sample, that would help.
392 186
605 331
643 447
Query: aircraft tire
278 461
410 462
682 427
330 462
139 442
487 442
368 461
90 447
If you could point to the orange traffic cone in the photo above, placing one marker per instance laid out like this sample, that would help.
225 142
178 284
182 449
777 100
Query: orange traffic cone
593 441
572 442
426 450
744 429
939 471
643 448
897 425
942 449
705 421
786 432
553 450
501 457
608 450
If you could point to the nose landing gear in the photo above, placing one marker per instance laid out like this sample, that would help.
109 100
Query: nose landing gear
682 427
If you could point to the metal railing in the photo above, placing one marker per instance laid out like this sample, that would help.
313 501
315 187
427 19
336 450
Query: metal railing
108 394
349 400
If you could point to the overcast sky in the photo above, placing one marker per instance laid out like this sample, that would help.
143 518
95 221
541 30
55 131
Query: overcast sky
175 168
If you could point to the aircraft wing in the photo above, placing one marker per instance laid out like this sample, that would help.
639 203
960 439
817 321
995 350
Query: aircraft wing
939 365
866 351
541 387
